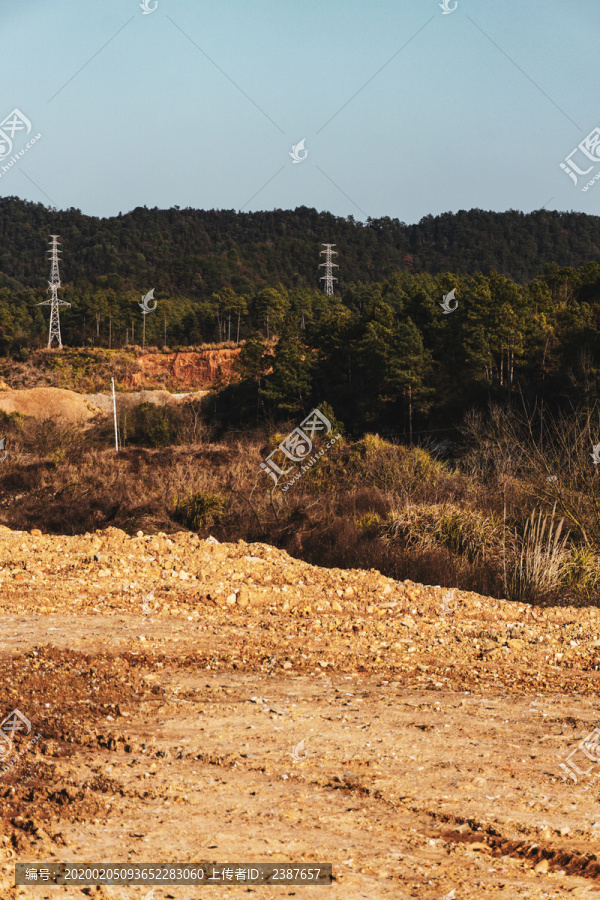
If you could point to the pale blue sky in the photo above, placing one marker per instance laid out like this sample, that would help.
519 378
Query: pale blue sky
449 123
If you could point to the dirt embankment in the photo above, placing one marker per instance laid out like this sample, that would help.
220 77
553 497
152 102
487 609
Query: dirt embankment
193 373
200 369
89 371
81 409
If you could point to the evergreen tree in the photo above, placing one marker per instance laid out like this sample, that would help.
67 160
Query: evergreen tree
287 388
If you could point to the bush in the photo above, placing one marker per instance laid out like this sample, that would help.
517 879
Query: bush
368 524
337 427
149 425
582 569
396 468
11 421
200 509
48 438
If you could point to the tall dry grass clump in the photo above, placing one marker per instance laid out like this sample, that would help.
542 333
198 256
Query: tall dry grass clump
541 562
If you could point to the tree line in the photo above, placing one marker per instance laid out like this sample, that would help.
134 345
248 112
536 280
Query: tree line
381 351
387 358
208 266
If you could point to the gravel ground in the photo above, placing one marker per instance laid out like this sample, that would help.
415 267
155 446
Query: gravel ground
225 702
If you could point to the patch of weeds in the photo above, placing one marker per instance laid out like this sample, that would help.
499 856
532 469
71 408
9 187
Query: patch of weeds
199 509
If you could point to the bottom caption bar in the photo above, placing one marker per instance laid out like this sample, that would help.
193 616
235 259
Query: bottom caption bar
173 873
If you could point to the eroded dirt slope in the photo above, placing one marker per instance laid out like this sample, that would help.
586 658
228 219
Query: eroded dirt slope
185 369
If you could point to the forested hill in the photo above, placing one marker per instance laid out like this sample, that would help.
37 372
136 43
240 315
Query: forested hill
197 252
383 351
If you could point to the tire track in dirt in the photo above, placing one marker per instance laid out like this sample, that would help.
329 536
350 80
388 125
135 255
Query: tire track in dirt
425 735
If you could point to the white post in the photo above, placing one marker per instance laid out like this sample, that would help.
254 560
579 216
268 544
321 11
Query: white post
115 411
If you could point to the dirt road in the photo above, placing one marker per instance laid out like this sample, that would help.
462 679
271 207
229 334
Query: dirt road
256 708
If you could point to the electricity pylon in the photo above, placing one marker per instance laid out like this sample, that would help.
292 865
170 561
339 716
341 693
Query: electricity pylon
329 265
53 286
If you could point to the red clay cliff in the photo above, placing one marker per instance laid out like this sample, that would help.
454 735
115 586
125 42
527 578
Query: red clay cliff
198 369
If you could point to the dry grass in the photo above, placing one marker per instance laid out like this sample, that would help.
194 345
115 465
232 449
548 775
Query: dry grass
540 564
367 504
465 532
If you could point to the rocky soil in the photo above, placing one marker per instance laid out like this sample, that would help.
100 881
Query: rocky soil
204 701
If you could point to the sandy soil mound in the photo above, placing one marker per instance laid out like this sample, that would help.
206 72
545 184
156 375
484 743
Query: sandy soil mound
49 403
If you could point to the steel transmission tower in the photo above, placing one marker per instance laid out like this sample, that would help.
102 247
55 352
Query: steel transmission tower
329 265
53 286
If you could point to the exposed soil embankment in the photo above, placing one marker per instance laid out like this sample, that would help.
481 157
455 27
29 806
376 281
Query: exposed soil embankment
199 369
80 409
89 370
